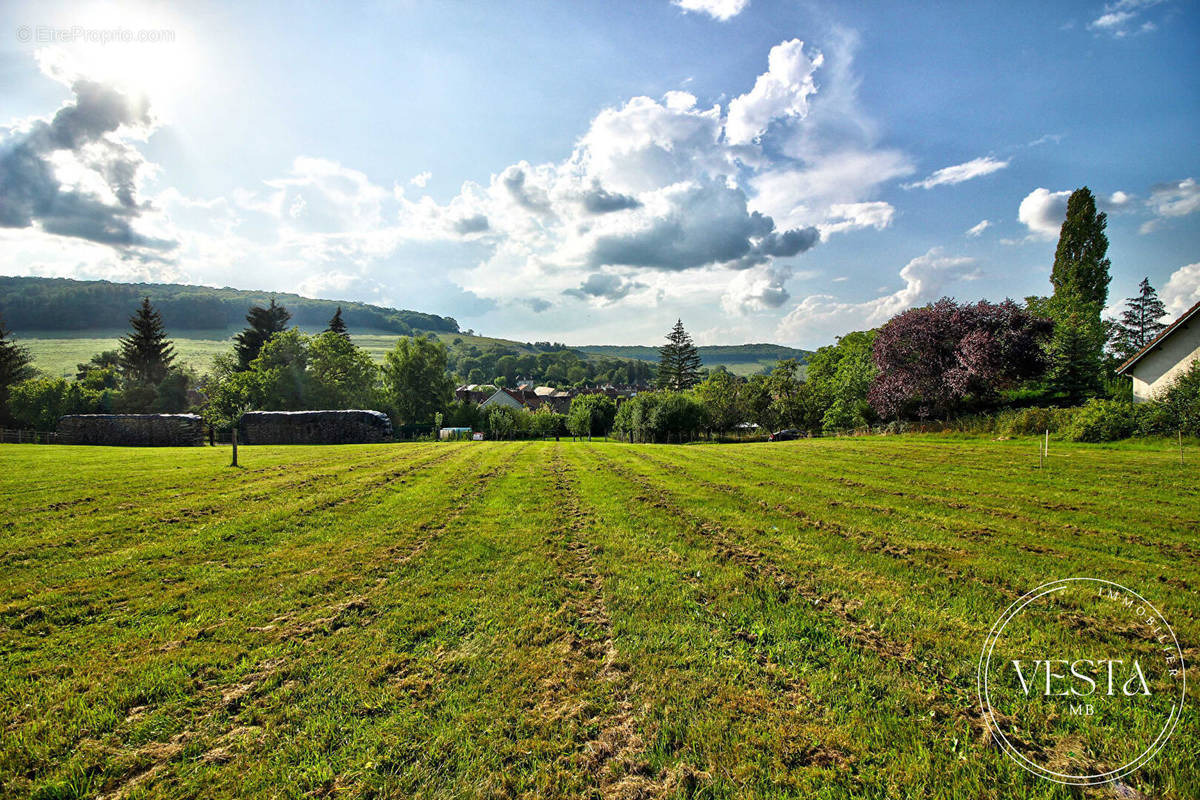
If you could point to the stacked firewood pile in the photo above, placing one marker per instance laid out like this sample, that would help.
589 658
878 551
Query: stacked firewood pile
132 430
314 427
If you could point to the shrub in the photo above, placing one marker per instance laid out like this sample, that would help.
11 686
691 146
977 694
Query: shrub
1102 421
1182 401
1032 421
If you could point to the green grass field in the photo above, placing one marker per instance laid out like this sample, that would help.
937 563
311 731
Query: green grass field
555 620
57 353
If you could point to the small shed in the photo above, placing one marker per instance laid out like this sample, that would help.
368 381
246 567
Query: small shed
454 433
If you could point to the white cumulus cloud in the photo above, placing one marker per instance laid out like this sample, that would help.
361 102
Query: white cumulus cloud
1043 212
780 92
925 279
1182 290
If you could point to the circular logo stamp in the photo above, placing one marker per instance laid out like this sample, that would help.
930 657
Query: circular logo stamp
1081 681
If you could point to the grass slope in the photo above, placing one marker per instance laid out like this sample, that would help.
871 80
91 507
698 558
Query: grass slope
553 619
740 359
57 352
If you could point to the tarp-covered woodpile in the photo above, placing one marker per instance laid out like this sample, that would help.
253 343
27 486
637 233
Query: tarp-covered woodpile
314 427
132 430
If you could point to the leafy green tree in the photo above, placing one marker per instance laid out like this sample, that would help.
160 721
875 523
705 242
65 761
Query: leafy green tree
505 422
227 401
1080 274
336 324
759 403
1182 401
107 361
679 361
1080 277
721 395
38 402
341 375
145 354
15 366
415 380
840 376
591 415
1140 322
280 373
171 394
264 323
545 422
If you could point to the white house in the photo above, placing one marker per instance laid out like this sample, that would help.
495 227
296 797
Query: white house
1158 364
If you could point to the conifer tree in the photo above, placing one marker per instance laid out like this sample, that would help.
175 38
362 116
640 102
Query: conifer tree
14 366
146 353
264 323
337 324
679 362
1139 323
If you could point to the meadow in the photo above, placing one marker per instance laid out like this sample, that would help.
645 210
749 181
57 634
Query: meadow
58 353
556 619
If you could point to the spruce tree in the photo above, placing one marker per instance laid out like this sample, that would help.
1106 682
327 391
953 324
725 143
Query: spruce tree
146 353
337 324
1080 274
264 323
679 362
1139 322
14 366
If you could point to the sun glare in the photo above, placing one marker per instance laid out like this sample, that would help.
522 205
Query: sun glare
138 49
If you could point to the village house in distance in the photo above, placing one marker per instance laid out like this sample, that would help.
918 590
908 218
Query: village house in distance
1156 366
525 395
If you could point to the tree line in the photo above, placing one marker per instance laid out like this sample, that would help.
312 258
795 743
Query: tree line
65 304
941 361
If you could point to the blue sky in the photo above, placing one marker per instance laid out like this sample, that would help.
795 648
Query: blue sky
588 172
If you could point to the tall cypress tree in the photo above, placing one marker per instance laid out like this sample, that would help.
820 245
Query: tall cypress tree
1080 277
679 362
146 353
1080 274
264 323
337 324
1139 323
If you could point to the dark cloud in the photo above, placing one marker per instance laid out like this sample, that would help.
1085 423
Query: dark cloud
709 224
31 193
605 285
788 243
599 201
537 305
528 199
474 224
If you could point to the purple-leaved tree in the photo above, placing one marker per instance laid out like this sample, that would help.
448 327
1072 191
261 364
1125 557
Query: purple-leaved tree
934 358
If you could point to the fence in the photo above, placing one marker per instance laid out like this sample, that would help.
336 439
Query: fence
18 436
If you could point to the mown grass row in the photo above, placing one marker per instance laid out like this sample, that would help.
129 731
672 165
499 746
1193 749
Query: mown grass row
552 619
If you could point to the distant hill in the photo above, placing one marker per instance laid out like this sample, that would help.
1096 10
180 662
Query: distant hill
62 304
712 355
